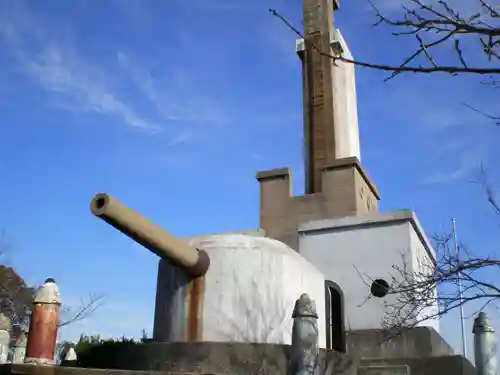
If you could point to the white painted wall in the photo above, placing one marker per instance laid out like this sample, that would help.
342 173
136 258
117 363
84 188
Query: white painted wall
250 291
423 264
354 251
345 105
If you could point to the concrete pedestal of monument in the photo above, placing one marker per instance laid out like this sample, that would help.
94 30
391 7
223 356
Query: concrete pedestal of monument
415 351
347 190
355 251
205 358
418 351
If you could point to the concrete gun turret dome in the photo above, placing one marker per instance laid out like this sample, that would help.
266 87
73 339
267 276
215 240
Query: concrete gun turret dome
247 294
233 287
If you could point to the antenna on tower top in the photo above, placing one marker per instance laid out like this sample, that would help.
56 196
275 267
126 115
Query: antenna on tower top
459 281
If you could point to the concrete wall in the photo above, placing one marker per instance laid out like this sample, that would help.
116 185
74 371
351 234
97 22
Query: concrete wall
354 251
423 264
409 343
190 359
248 293
453 365
347 190
345 105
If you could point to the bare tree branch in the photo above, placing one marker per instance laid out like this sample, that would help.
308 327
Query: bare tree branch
471 43
16 297
441 25
414 293
87 307
488 115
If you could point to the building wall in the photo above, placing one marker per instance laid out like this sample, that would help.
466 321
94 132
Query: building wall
423 264
410 342
345 105
248 293
319 101
355 251
347 191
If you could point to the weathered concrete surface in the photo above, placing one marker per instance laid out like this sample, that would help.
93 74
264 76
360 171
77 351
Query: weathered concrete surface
213 358
44 324
354 251
414 342
347 191
317 76
345 106
26 369
444 365
148 234
5 330
305 349
485 345
247 294
19 348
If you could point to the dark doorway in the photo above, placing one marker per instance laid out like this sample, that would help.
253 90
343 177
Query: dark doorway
335 331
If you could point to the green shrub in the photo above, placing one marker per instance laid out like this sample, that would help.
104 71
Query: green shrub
94 352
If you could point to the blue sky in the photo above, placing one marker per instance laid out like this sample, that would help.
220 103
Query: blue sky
174 106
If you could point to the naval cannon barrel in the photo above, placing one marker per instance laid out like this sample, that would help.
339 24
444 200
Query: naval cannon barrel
193 261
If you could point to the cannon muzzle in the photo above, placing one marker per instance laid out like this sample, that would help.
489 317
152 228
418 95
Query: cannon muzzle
193 261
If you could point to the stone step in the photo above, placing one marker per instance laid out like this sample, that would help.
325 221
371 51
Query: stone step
443 365
411 342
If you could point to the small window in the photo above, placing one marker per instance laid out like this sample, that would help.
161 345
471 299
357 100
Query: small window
379 288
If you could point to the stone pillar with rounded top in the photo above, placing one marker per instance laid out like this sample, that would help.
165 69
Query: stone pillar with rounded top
485 345
305 348
19 348
5 330
70 358
44 324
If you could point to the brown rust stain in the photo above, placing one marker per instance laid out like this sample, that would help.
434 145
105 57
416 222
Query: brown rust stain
196 292
43 331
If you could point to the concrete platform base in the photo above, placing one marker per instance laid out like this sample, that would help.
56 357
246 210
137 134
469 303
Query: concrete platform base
210 358
444 365
409 342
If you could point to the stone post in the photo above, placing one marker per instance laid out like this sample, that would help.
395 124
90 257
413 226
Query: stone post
305 348
19 348
5 329
70 358
44 323
485 345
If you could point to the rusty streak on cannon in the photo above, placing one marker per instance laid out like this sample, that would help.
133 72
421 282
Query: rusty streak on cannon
193 261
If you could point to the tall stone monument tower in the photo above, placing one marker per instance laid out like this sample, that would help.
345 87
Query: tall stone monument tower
336 184
336 225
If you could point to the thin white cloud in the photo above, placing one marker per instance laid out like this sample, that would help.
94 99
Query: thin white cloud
55 72
180 96
77 84
147 85
452 145
468 165
175 96
438 126
179 139
282 39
